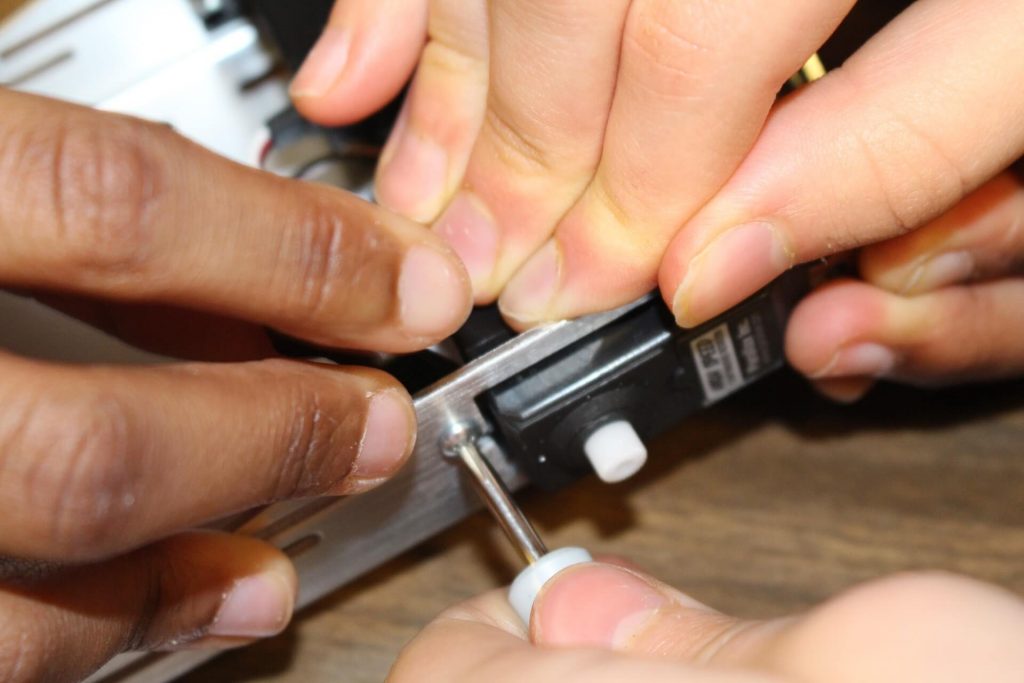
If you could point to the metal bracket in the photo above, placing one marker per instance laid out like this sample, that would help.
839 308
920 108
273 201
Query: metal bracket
334 541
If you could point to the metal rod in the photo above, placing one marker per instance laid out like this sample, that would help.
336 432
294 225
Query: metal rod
492 490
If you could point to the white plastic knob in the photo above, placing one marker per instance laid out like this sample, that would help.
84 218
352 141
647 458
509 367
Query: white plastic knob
615 451
524 590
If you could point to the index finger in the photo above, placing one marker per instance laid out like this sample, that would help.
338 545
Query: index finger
114 207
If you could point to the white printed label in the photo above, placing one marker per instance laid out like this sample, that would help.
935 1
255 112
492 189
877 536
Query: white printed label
717 363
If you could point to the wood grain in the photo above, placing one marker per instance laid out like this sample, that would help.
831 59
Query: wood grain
762 506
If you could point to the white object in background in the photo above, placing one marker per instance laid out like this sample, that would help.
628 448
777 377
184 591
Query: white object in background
615 451
524 590
149 58
88 51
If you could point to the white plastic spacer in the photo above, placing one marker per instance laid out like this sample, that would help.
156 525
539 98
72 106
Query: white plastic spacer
526 587
615 451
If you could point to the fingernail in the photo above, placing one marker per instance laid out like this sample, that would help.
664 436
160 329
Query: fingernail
255 607
387 438
413 174
324 65
433 294
472 233
860 360
595 606
735 265
527 297
939 271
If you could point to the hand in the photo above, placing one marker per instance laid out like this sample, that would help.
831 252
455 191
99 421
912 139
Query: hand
581 153
942 304
559 146
578 147
101 468
597 623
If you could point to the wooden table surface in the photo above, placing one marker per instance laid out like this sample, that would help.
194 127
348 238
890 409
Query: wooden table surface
763 505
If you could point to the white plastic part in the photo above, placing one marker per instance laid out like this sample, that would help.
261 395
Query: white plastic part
526 587
615 451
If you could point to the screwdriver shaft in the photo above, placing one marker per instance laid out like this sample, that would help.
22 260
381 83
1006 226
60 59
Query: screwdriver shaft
492 490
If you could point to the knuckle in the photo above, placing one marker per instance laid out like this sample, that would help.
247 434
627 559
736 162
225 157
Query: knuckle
331 263
320 448
105 186
915 178
515 147
84 477
674 42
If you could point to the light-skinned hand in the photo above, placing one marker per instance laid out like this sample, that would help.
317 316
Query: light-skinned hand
606 624
578 154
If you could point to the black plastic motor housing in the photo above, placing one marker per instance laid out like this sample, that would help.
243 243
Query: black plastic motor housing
641 368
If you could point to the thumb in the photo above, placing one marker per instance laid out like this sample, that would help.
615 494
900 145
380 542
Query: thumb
611 607
912 627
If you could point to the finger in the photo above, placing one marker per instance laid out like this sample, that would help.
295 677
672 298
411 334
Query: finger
980 238
907 628
480 641
109 206
194 590
552 78
695 84
96 460
926 112
169 331
854 330
425 158
361 61
844 389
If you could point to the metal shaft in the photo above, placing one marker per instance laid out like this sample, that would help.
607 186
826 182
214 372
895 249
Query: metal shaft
485 480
